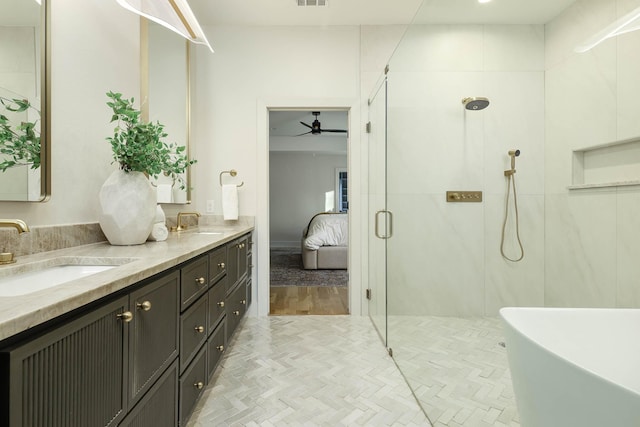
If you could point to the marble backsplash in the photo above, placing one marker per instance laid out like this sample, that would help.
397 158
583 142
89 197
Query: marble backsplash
53 237
49 238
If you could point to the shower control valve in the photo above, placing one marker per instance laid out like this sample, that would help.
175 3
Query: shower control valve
464 196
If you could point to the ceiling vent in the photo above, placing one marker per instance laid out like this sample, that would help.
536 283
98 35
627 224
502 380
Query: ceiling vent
313 2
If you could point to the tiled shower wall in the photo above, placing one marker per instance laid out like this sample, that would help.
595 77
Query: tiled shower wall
592 239
446 257
581 246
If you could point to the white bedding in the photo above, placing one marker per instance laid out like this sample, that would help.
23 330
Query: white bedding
327 230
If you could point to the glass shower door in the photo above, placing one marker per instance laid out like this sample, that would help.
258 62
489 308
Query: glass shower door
377 212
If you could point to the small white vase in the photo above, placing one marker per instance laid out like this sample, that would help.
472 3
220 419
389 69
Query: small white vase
127 208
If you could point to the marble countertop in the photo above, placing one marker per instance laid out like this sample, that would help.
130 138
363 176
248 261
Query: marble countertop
19 313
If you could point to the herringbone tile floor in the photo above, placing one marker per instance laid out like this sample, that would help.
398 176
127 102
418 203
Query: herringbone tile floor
457 369
307 371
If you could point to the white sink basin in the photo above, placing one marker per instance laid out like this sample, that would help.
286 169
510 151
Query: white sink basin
29 278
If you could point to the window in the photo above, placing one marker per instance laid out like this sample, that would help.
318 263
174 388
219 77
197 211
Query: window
342 195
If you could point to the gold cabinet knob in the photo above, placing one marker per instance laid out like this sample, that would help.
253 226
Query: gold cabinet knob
221 265
199 329
220 348
243 301
126 317
220 304
237 313
145 305
200 280
199 385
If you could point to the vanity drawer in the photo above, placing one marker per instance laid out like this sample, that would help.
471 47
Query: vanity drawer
216 347
193 281
193 331
217 264
192 385
216 303
236 305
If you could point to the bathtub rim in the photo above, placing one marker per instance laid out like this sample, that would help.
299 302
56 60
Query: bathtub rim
537 344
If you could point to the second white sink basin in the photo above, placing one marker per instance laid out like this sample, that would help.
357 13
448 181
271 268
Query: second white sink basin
29 278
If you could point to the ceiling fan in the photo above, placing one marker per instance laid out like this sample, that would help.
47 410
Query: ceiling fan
315 127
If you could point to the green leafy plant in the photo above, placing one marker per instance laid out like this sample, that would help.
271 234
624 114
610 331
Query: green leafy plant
19 144
140 147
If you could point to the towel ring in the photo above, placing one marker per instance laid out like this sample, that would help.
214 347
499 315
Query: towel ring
232 172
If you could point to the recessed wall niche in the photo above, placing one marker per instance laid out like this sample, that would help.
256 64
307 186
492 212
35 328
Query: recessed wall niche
607 165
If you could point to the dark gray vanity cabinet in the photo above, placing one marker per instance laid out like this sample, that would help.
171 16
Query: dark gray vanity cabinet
139 358
159 406
74 375
153 333
92 370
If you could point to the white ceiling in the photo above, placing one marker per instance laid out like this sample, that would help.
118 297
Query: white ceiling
375 12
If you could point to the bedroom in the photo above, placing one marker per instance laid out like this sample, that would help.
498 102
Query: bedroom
308 181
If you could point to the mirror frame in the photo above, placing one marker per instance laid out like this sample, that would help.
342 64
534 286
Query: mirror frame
45 106
45 124
144 95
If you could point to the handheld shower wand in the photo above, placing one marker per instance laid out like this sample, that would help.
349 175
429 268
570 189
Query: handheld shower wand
509 173
513 154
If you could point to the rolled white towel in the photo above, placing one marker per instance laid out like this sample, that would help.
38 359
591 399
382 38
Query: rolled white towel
159 233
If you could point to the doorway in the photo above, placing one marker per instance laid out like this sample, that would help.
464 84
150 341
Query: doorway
308 191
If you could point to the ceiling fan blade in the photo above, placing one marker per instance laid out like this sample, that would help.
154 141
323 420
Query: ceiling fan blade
306 133
309 126
334 130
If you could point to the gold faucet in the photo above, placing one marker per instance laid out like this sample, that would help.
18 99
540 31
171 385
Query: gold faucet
179 226
22 227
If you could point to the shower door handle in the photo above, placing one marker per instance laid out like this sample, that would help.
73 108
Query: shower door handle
388 224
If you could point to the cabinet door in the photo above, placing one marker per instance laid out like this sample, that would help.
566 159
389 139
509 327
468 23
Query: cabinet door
153 338
237 261
243 264
233 249
73 375
236 305
159 407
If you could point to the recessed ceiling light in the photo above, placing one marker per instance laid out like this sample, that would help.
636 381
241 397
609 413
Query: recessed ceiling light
484 1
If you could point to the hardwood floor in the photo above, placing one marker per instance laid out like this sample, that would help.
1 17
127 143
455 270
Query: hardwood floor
296 300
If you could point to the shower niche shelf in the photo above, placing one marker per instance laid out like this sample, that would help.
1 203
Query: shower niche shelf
615 164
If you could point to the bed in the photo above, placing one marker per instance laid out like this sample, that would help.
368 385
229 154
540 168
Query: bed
325 242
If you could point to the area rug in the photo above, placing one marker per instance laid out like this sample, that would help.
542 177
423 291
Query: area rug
286 270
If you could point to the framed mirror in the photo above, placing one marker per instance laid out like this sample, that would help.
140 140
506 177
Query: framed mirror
165 96
24 100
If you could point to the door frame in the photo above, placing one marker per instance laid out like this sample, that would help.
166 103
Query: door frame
261 233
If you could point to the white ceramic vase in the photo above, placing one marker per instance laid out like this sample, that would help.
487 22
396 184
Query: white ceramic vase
127 208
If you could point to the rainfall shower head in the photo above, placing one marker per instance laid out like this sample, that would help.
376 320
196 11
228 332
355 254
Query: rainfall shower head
475 104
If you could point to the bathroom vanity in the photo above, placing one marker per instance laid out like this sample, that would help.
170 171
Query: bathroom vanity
134 345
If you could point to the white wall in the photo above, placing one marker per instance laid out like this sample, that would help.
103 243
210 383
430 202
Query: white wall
298 182
95 48
255 69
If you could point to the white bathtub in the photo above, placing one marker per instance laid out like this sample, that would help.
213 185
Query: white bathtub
574 367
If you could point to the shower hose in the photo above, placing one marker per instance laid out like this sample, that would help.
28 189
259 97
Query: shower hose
511 179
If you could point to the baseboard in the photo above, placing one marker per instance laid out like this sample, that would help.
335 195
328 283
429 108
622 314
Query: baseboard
285 245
